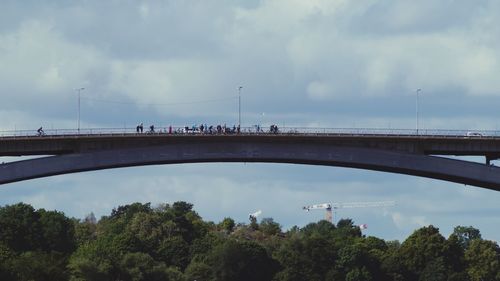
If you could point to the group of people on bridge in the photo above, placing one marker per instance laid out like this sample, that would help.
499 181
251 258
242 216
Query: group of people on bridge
200 129
204 129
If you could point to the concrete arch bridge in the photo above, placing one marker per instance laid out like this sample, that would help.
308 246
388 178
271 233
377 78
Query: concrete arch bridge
396 152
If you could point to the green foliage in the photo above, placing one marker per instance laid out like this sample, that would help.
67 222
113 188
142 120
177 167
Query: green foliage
171 242
358 274
323 228
306 258
174 251
174 274
199 271
253 223
39 265
455 257
84 232
96 260
423 246
227 224
57 231
269 227
242 260
346 229
20 227
465 234
375 244
142 267
391 263
435 270
202 246
128 211
34 244
483 259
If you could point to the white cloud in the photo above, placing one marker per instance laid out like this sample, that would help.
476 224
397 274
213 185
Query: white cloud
282 17
292 58
41 67
409 222
144 10
166 82
319 90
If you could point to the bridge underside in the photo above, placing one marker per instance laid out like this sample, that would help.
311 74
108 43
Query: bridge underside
458 171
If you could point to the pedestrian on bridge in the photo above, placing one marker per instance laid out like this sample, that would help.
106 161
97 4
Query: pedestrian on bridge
139 128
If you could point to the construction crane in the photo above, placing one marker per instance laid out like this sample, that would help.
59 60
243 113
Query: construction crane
326 206
329 206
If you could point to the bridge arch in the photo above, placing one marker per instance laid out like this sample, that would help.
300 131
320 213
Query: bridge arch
458 171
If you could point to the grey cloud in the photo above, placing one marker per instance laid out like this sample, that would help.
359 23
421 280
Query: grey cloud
325 63
385 18
150 30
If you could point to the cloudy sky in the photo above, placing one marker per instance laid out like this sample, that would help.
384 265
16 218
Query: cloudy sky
315 63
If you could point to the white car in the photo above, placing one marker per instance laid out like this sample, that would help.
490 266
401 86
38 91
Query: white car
474 134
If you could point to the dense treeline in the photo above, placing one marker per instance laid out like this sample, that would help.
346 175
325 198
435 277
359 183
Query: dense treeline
172 242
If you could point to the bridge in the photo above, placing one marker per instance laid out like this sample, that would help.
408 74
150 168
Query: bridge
422 153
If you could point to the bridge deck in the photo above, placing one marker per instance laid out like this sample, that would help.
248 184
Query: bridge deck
488 146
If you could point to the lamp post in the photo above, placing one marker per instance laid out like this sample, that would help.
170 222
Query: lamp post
79 92
416 108
239 106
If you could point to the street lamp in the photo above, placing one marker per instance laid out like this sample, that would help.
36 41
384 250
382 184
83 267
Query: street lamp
79 92
416 108
239 106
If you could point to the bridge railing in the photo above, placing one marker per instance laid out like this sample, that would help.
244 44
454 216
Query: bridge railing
392 132
256 130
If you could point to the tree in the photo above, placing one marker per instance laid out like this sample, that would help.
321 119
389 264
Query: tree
346 228
465 234
455 258
483 260
137 242
358 274
356 261
40 266
187 222
6 256
199 271
84 232
174 251
227 224
306 257
244 261
96 260
422 247
253 223
141 266
120 217
202 246
57 231
20 227
269 227
323 228
34 244
90 218
426 251
136 266
147 231
127 211
435 270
